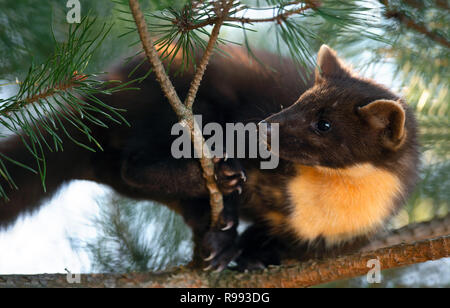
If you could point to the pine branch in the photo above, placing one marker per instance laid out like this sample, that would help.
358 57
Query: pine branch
181 31
206 56
184 111
412 24
153 58
58 93
279 18
297 275
42 95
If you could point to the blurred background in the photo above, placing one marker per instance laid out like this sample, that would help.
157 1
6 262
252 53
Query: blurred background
86 227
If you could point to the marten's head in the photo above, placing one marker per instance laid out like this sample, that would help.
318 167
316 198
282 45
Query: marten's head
344 120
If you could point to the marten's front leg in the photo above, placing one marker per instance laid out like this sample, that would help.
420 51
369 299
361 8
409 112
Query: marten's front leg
214 248
178 178
183 180
164 179
259 248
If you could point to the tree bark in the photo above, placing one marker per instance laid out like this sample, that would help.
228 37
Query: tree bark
411 233
294 275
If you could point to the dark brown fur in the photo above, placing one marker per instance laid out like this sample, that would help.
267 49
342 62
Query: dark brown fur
385 137
137 163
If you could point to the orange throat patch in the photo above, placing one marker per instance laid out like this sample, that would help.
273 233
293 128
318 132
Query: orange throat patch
340 204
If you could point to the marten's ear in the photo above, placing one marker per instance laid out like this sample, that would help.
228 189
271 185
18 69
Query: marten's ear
329 65
388 118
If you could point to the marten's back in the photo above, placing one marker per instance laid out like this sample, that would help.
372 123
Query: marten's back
235 89
348 151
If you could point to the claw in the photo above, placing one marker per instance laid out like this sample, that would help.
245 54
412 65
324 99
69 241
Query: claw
233 182
211 256
229 172
243 176
239 190
227 227
219 269
225 156
207 268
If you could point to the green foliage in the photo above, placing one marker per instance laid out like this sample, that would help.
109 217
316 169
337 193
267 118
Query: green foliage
138 236
410 35
30 29
20 38
352 20
364 35
184 29
421 53
59 90
431 102
420 30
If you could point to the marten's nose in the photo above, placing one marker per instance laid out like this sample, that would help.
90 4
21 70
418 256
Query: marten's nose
289 120
278 118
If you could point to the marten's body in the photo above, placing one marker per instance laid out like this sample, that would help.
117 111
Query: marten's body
332 187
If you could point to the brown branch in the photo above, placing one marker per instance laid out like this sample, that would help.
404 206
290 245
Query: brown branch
184 111
411 233
278 18
185 26
294 275
206 56
153 58
207 164
412 24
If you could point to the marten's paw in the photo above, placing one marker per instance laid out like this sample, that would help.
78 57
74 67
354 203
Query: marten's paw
219 248
251 262
258 249
230 176
219 244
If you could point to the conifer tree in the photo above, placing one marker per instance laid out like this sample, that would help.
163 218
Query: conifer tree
52 68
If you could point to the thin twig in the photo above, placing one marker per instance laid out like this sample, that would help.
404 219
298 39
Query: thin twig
184 111
278 18
153 58
206 56
207 164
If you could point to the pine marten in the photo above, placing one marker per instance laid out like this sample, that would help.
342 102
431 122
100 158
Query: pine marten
348 158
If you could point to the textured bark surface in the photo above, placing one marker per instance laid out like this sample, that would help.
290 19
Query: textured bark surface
294 275
411 233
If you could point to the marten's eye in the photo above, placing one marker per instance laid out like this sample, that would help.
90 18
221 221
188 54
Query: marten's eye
323 125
